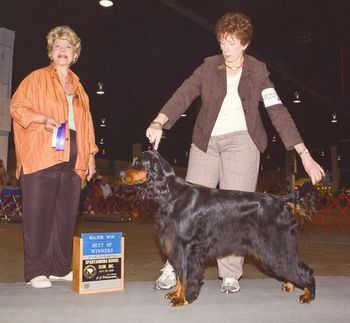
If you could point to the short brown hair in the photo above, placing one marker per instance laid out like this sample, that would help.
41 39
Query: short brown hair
63 32
236 24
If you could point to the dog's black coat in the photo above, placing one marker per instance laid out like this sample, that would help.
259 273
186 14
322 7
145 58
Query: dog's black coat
196 223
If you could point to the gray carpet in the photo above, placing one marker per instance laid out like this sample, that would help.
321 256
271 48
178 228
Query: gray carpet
260 300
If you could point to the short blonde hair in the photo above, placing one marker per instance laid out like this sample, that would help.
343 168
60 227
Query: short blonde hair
63 32
236 24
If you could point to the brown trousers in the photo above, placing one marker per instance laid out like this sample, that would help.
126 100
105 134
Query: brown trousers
50 207
232 162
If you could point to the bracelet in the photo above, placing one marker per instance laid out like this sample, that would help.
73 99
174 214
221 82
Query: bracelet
304 151
157 122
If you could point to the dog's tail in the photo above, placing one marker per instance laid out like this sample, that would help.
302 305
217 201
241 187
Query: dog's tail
305 200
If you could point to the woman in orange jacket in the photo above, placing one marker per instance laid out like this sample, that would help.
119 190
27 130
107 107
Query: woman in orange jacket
55 148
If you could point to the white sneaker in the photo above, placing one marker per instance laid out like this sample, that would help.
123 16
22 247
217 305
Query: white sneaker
67 278
40 282
230 285
167 279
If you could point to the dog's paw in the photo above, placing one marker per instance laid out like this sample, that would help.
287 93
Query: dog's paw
305 298
171 295
288 287
178 302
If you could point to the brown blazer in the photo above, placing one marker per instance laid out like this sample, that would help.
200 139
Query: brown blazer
40 93
209 82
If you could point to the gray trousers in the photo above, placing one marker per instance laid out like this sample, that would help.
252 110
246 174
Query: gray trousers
50 207
232 162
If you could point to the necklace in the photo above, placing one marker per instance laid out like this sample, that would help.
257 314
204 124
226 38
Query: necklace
234 67
66 85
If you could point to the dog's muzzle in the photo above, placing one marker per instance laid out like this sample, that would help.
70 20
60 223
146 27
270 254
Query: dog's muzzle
133 176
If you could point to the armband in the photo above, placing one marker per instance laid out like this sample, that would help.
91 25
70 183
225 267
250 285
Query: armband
270 97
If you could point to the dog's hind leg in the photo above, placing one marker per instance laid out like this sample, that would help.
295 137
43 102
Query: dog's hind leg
294 272
305 280
301 275
279 255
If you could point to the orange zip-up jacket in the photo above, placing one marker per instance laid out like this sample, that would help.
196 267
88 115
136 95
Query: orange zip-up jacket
40 93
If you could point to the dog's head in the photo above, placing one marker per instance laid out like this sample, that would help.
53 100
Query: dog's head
149 172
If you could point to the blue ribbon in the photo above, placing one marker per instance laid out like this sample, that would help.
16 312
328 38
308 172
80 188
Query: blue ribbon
61 137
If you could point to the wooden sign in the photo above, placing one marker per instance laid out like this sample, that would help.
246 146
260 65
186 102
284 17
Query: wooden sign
98 262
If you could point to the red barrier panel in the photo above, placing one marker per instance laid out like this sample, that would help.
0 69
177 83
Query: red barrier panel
334 213
113 205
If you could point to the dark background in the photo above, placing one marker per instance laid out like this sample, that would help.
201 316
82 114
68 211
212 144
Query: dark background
142 50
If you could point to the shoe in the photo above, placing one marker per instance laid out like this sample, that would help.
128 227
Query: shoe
230 285
67 278
167 279
40 282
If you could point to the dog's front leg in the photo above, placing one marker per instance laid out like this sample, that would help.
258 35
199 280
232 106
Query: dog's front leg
178 296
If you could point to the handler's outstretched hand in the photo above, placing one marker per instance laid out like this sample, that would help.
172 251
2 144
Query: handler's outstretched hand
154 134
313 169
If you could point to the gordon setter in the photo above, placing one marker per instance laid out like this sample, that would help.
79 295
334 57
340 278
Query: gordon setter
196 224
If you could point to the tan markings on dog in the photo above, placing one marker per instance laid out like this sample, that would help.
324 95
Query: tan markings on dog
258 257
134 176
182 297
298 212
178 296
288 287
175 293
306 297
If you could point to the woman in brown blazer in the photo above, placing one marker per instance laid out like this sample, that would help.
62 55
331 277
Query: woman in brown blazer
229 135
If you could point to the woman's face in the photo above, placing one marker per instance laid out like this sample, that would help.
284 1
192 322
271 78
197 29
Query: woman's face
231 48
63 52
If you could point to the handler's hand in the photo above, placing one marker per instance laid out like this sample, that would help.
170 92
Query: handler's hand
91 168
154 134
313 169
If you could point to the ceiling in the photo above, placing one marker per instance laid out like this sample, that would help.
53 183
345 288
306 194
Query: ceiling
142 50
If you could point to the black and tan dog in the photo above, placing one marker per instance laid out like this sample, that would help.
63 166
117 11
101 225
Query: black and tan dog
196 224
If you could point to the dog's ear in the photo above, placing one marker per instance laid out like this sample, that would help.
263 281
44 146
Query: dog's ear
164 165
156 187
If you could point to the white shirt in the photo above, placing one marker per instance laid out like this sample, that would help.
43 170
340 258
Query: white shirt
231 116
71 122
